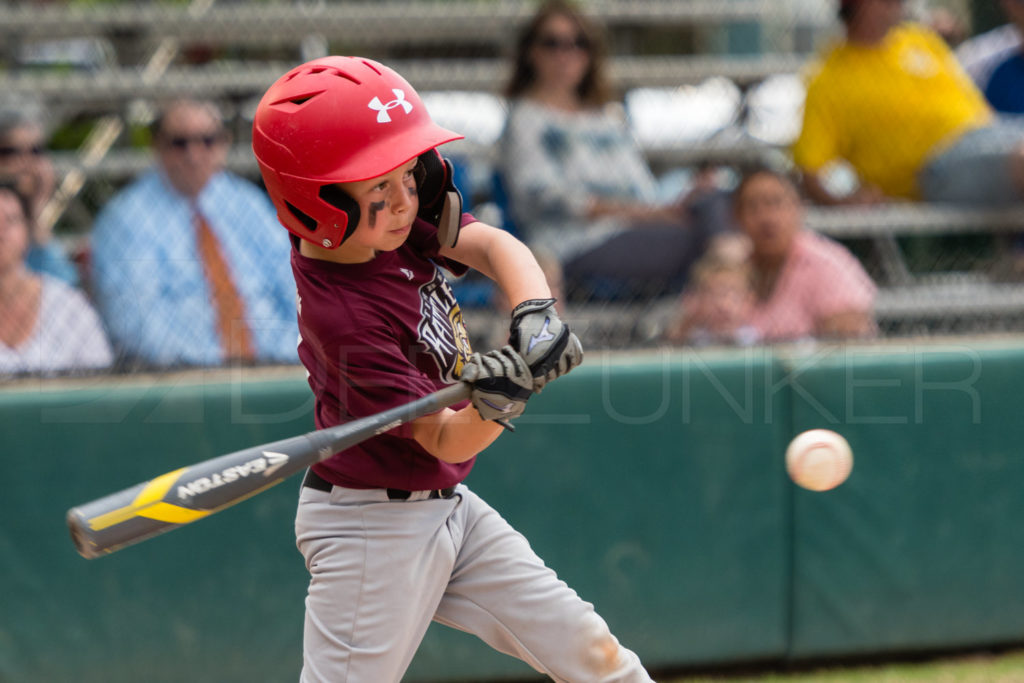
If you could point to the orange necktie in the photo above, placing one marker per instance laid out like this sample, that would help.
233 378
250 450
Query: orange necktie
235 337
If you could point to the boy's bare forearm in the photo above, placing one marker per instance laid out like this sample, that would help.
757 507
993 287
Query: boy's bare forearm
455 435
505 260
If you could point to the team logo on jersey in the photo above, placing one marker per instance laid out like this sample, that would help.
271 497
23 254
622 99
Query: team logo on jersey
406 272
441 329
382 108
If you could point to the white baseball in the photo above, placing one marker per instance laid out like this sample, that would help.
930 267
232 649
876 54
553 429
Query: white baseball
819 459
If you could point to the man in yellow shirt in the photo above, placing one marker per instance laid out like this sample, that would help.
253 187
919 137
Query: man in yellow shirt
892 101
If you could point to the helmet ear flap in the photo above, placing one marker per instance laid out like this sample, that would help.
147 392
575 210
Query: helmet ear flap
301 216
440 200
432 177
349 208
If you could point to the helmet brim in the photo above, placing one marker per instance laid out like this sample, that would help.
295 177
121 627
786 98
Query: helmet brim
389 151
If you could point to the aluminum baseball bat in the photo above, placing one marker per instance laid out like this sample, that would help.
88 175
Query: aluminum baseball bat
185 495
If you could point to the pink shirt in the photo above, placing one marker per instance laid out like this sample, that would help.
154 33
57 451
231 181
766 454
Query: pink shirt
819 279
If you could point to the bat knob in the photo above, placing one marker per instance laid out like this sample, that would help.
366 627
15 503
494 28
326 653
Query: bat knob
79 536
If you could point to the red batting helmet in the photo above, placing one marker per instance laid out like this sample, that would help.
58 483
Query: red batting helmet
335 120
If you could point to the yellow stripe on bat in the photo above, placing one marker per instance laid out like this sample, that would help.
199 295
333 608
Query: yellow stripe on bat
149 504
175 514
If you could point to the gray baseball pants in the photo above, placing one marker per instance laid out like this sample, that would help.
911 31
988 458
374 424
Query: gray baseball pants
381 570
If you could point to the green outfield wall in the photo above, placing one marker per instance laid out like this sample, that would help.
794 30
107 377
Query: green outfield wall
923 547
653 483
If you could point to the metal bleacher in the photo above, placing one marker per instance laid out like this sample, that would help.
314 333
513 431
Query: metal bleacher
463 46
945 300
361 22
458 46
99 89
268 38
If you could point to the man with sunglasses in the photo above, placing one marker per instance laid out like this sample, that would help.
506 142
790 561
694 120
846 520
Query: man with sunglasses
892 101
189 265
24 161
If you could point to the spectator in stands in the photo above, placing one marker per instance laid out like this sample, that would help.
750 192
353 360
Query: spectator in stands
981 54
189 264
995 60
892 101
578 183
45 325
805 285
947 24
23 157
717 306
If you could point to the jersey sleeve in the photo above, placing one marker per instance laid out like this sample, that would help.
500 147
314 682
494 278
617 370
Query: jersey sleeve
424 239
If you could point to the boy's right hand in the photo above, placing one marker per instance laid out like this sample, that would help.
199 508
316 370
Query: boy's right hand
549 347
501 381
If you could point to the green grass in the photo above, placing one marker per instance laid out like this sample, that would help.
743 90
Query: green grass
982 668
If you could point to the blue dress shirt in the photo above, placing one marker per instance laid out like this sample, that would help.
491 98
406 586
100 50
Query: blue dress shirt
149 280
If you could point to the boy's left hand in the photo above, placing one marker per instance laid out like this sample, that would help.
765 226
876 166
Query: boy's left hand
501 384
544 341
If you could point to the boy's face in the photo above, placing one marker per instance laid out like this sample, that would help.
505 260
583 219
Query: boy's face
387 206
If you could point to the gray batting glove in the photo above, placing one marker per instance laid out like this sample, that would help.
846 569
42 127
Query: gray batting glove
501 384
544 341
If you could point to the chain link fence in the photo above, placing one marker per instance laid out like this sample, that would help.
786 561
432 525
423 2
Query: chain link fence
704 88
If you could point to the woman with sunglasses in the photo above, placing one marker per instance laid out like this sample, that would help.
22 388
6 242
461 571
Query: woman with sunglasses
23 158
45 325
577 182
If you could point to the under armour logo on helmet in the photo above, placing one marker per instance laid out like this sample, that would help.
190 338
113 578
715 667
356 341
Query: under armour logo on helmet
382 109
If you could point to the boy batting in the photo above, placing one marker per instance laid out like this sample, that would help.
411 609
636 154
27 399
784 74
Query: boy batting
391 536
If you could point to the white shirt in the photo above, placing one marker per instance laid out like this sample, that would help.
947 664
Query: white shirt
983 53
68 335
554 162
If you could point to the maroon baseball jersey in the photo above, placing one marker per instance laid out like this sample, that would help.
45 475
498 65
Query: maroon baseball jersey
376 335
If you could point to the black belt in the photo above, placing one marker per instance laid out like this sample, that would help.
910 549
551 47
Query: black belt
315 481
